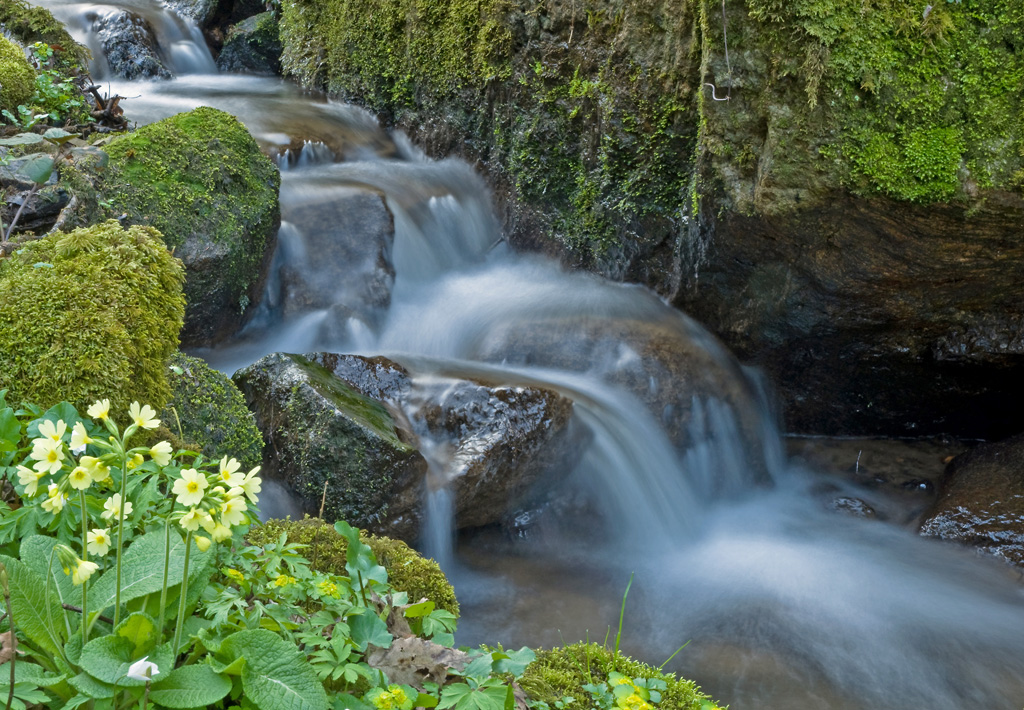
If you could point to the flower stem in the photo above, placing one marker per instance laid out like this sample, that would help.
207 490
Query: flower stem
85 557
163 588
120 537
181 597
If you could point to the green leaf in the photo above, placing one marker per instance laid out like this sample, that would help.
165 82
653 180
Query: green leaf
142 569
38 168
514 662
108 658
344 701
361 563
425 701
140 629
31 606
10 430
480 667
26 672
367 628
275 676
22 138
35 553
92 688
233 668
58 135
421 609
190 687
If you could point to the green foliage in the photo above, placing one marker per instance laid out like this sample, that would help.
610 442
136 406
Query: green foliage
562 673
198 173
93 311
18 76
327 551
915 104
55 93
211 411
30 23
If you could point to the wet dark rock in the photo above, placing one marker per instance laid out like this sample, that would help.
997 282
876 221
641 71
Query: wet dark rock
130 46
349 234
199 11
253 46
368 429
39 210
854 507
323 434
981 502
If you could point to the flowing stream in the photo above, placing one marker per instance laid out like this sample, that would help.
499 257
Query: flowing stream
785 604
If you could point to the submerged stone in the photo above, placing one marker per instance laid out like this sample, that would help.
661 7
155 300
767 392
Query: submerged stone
981 502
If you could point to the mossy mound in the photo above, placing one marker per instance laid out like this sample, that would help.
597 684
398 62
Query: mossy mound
30 24
562 672
407 570
90 314
18 76
200 178
252 46
211 412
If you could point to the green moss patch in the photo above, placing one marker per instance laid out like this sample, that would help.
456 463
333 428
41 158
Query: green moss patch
210 412
18 76
407 570
30 24
562 672
90 314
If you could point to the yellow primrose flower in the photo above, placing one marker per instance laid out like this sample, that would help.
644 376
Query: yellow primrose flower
251 485
329 589
48 455
283 580
49 431
235 575
189 488
203 543
79 438
100 409
161 453
83 570
232 511
135 461
98 541
30 479
112 505
220 532
143 416
96 468
79 479
229 472
193 519
54 502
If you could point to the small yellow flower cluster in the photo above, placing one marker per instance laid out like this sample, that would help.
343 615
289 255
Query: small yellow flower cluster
210 505
329 589
235 574
638 699
394 698
283 580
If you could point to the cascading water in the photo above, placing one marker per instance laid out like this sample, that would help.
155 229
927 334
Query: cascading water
681 478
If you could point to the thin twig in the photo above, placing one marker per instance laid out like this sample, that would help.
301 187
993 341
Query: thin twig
72 607
14 221
323 501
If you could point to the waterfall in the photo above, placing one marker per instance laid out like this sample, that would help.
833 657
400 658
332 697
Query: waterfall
682 479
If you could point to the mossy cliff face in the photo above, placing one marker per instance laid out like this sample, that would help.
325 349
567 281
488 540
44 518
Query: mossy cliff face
18 76
199 178
841 219
90 314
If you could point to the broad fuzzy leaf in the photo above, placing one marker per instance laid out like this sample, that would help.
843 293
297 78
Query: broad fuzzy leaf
32 607
275 676
190 687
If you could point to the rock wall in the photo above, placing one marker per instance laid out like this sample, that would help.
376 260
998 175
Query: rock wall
847 218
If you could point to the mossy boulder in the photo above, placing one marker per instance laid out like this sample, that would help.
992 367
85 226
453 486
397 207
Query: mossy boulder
90 314
252 46
562 672
29 24
407 570
19 78
211 412
200 178
325 435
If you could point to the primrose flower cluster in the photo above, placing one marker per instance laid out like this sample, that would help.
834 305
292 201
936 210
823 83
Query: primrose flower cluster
73 468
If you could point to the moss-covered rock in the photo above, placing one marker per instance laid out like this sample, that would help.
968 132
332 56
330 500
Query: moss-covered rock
19 77
252 46
407 570
200 178
562 672
211 412
90 314
30 24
